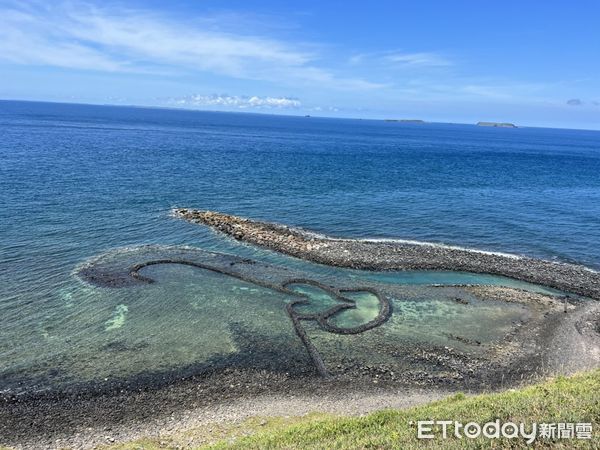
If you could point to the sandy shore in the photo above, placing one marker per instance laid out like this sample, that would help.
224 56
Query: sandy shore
397 255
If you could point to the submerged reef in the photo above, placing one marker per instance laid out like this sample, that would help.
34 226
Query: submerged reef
314 304
118 273
397 255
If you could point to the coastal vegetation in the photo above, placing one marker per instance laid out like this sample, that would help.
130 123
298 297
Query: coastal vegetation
574 399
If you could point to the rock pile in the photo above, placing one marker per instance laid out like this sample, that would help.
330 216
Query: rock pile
390 255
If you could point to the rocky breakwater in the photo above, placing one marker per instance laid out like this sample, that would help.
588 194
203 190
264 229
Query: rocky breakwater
397 255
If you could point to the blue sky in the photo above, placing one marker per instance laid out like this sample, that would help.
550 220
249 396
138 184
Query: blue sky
532 63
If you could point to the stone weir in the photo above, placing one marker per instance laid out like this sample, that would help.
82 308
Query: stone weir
397 255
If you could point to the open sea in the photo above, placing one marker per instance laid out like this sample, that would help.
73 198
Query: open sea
77 181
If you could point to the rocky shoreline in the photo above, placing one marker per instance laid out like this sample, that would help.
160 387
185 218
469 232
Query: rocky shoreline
397 255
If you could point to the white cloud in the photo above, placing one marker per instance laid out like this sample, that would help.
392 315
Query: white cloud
83 36
399 59
418 59
240 102
18 44
357 59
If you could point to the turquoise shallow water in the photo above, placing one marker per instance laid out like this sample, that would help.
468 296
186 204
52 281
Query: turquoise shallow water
77 181
192 320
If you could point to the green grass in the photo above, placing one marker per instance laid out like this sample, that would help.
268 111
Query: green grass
563 399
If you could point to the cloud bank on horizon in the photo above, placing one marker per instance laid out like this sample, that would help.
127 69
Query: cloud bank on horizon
381 61
235 101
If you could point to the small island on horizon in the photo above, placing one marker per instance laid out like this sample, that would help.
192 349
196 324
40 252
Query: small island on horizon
496 124
405 120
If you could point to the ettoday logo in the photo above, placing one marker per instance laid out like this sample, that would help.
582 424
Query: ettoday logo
430 429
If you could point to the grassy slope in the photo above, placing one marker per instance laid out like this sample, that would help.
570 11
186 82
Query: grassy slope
573 399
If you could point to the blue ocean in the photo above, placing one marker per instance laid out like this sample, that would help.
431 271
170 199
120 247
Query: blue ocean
77 181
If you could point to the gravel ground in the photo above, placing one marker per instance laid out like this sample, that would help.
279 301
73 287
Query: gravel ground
82 423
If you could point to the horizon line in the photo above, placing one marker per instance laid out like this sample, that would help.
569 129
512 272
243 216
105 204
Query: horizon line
305 115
